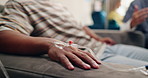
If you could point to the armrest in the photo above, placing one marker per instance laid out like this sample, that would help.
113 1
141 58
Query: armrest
136 38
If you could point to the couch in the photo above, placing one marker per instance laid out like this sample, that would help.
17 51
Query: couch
43 67
135 38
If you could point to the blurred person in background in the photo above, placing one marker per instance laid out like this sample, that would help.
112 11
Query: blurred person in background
114 18
99 15
137 15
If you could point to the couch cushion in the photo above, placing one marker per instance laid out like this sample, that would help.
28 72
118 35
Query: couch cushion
43 67
1 72
135 38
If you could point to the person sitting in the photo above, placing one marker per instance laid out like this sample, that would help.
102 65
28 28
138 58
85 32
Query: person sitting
136 15
33 27
114 18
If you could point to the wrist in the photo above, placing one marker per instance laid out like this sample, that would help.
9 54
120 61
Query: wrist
42 44
48 43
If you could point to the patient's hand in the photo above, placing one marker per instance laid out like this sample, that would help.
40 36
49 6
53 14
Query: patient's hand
70 55
108 41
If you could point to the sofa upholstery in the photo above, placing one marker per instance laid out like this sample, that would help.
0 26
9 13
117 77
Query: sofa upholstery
43 67
1 72
135 38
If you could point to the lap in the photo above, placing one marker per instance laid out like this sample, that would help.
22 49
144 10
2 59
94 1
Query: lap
125 54
123 60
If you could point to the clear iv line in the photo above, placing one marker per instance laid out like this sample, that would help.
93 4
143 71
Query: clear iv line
143 69
4 70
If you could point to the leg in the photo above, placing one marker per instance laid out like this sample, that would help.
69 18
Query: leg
123 60
125 54
146 41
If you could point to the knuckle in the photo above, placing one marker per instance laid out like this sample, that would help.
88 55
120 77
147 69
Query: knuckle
62 58
88 53
83 55
73 57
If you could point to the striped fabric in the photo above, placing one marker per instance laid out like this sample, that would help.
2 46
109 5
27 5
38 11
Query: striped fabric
46 19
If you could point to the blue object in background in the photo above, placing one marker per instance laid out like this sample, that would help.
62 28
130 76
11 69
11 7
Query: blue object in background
98 19
113 25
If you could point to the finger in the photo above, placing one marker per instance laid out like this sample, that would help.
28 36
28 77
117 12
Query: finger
140 20
72 57
88 59
134 22
90 55
64 60
136 8
87 53
110 41
140 13
144 17
113 42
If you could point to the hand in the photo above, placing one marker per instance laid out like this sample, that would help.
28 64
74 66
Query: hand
139 16
69 55
108 41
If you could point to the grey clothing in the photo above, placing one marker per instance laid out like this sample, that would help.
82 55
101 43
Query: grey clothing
143 27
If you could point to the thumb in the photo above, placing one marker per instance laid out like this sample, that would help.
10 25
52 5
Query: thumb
136 8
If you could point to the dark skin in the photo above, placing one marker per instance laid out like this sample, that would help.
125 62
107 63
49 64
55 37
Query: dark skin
14 42
106 40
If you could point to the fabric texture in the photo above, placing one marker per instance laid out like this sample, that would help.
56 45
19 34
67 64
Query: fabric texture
135 57
2 75
48 19
2 28
1 8
135 38
43 67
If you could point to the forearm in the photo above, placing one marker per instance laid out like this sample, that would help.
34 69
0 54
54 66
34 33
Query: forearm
100 39
91 33
17 43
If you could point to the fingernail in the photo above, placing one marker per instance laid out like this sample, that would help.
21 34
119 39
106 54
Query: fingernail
99 62
86 66
71 67
95 65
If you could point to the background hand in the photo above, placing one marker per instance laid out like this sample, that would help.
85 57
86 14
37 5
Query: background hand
108 41
139 16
